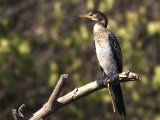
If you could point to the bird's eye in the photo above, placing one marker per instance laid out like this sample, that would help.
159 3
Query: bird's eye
101 18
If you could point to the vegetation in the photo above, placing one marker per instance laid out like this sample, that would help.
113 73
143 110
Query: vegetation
42 39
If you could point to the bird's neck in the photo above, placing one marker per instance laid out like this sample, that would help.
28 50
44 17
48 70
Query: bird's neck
98 27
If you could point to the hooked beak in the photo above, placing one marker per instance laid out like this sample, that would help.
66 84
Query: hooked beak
85 16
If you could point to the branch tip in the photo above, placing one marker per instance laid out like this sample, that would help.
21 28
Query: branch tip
64 76
20 109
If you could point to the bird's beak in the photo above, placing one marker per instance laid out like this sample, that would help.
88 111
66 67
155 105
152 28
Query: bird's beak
85 16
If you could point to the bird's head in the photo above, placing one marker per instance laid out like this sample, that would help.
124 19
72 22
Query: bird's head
97 17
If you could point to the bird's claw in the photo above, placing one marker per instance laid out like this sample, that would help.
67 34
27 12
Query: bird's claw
114 78
105 80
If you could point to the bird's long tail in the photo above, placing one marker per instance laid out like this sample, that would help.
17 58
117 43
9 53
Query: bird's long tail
118 98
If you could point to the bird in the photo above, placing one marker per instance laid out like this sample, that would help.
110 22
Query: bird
109 55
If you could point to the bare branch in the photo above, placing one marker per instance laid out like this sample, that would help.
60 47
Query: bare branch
76 94
20 109
90 88
57 89
47 107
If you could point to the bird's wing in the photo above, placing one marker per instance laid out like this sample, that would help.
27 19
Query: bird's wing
116 89
116 50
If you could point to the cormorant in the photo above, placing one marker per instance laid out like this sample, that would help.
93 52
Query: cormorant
109 56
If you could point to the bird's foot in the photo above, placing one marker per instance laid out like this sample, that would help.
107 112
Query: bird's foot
104 81
114 79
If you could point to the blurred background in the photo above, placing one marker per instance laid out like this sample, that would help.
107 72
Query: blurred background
42 39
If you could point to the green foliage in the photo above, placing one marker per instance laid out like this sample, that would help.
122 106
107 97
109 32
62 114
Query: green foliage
4 46
153 27
156 81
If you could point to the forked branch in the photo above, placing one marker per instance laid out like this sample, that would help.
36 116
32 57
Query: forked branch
54 103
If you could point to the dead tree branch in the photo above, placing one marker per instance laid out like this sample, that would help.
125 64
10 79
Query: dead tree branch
54 103
80 92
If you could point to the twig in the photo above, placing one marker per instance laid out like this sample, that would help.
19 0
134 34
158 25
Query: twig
57 90
14 112
20 109
76 94
17 114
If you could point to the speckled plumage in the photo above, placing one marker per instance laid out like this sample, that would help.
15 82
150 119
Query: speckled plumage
103 49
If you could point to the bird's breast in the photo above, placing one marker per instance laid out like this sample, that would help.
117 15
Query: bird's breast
104 54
